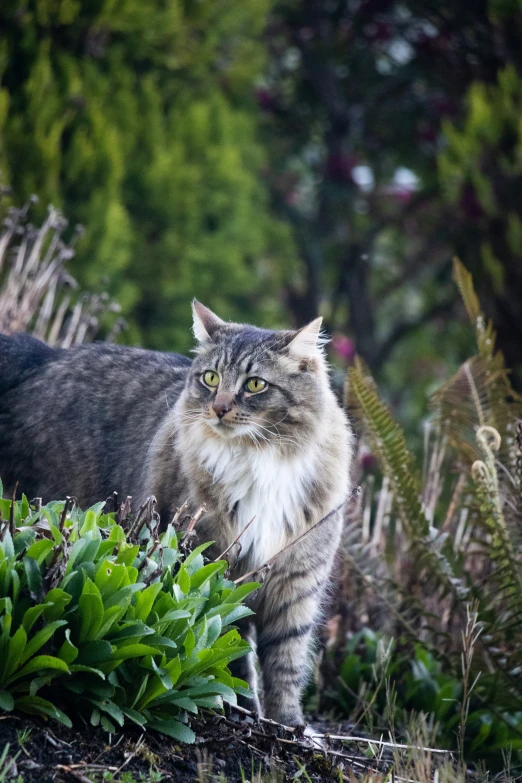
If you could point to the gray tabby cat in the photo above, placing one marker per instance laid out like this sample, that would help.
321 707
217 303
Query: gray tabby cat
250 428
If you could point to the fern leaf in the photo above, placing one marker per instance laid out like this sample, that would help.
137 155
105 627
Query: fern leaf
388 442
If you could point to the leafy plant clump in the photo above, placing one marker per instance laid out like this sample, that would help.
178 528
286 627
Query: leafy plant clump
117 626
433 562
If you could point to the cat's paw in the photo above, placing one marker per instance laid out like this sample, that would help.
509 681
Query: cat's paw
317 742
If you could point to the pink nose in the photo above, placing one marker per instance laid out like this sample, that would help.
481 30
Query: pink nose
222 405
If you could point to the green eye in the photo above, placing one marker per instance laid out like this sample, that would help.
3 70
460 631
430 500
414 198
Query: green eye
210 378
254 385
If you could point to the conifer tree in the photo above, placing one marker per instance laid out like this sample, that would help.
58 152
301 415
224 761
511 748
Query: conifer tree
138 120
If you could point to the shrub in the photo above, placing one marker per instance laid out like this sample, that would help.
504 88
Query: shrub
119 626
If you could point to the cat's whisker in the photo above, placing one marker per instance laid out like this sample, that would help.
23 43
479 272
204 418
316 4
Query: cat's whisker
278 437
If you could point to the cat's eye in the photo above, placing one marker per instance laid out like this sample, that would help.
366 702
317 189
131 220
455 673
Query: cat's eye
210 379
255 385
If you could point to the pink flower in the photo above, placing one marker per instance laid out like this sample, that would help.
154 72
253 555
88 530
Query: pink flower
368 461
344 347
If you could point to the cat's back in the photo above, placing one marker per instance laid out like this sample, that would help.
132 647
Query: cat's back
20 357
80 421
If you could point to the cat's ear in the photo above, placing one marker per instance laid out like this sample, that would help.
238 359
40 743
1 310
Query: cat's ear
205 322
308 341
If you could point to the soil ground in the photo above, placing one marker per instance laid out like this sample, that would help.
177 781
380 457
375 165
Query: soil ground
46 752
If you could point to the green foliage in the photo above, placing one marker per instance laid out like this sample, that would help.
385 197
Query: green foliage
138 120
492 123
448 552
420 685
128 777
123 630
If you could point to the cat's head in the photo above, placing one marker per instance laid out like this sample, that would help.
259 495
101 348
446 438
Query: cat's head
255 384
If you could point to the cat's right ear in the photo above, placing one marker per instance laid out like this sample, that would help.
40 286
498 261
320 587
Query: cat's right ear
205 322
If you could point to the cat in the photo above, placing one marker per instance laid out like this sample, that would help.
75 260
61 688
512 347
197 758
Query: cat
250 428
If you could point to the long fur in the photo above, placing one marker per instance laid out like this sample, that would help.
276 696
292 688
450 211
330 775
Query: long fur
99 418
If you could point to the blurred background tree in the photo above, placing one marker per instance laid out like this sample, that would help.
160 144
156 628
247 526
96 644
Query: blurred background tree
396 138
139 120
279 158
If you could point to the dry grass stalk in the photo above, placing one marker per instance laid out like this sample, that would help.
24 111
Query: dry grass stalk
37 294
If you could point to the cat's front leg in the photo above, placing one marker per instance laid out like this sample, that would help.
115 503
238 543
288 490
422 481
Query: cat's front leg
289 607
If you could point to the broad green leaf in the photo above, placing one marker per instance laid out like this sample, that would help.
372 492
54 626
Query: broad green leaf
189 643
134 715
58 538
175 614
97 509
89 524
35 705
110 617
15 649
75 552
195 552
175 729
106 724
54 604
95 653
211 702
201 577
23 540
68 652
39 663
133 630
6 701
77 667
24 508
7 544
213 630
240 593
127 554
112 710
237 614
34 577
183 579
40 549
145 601
121 595
39 639
90 607
89 552
185 703
117 534
31 616
110 577
133 651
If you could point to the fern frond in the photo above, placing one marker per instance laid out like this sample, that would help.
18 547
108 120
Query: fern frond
507 576
480 393
389 445
484 332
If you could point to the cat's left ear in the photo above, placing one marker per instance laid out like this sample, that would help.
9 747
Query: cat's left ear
308 341
205 322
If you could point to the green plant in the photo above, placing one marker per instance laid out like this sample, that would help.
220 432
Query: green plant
125 627
128 777
8 766
439 566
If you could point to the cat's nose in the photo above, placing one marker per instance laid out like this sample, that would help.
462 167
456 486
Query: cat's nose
222 405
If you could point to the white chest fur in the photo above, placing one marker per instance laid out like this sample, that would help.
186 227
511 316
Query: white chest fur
261 485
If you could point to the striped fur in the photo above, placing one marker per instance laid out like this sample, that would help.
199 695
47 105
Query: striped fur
99 418
281 458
